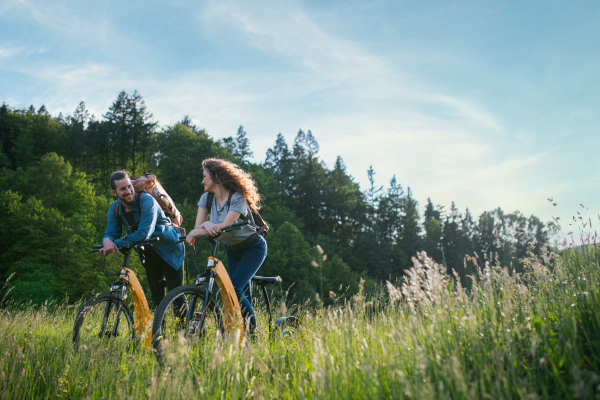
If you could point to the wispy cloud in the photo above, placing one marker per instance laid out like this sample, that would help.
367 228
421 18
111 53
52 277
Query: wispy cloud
286 29
319 59
60 17
296 70
6 51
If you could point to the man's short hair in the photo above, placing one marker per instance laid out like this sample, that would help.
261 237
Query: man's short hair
117 176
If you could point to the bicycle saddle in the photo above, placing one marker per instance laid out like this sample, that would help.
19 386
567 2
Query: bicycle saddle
266 280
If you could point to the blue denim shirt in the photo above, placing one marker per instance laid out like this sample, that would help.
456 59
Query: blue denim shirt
150 214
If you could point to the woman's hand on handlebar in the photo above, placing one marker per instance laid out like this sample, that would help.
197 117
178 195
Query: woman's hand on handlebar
212 229
109 247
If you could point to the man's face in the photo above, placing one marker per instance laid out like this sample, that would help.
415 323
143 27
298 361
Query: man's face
124 191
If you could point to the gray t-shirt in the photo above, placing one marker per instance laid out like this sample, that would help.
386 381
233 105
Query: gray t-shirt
218 213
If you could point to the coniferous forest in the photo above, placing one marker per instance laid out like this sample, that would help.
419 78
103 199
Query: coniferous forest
54 198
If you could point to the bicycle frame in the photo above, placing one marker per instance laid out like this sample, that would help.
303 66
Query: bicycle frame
216 272
128 280
143 321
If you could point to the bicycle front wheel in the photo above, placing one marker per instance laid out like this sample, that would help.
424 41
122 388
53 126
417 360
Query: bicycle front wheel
104 319
179 315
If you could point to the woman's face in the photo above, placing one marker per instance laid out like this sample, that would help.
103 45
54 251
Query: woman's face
209 185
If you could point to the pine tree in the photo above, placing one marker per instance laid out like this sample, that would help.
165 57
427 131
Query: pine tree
410 236
240 146
308 182
279 162
131 130
186 120
79 133
142 129
120 138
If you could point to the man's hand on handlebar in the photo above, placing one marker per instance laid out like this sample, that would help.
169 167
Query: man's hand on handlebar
109 247
195 233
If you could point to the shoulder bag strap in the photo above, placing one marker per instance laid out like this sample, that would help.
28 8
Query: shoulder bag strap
209 201
117 212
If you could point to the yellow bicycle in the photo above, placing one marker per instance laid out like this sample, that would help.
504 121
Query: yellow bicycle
106 316
205 315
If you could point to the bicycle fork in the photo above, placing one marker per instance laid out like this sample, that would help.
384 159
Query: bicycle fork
208 286
143 322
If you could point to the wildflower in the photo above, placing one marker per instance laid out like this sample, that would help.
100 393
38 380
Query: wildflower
217 358
395 293
320 249
426 280
314 263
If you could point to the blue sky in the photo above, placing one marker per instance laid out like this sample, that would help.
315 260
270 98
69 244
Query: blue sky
485 104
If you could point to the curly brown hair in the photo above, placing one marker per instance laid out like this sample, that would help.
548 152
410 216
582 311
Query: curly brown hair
233 178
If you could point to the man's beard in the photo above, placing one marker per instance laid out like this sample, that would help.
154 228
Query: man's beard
124 201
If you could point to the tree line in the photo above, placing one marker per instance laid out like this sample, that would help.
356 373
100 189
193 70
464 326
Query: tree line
54 195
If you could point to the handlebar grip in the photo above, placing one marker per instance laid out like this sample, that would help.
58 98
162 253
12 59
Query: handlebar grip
234 226
97 246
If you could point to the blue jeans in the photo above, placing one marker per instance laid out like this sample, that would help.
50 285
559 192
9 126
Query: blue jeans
243 265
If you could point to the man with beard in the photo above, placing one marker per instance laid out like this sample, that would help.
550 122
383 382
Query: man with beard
144 218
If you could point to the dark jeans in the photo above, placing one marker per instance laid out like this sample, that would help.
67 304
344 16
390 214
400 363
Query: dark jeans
160 276
243 265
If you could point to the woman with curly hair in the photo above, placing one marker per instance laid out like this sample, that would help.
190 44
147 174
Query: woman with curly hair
246 250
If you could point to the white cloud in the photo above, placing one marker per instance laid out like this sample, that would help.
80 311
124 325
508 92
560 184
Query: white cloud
364 106
6 51
66 20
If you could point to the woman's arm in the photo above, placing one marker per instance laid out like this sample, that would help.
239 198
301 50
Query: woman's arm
208 228
200 217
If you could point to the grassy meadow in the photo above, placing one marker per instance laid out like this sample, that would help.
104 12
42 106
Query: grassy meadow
529 335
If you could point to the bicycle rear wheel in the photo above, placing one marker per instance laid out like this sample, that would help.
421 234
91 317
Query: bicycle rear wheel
179 314
104 319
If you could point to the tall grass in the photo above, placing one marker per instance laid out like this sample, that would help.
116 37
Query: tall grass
530 335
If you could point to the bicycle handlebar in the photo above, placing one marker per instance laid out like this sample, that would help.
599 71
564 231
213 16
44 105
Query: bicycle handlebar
97 247
237 225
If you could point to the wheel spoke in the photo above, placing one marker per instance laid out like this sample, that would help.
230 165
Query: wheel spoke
104 320
180 313
114 332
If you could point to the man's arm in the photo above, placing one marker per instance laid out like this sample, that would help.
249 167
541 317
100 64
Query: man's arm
148 215
114 229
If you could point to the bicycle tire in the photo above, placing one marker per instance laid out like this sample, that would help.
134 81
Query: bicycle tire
168 326
104 322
